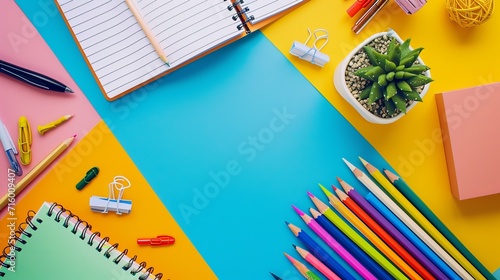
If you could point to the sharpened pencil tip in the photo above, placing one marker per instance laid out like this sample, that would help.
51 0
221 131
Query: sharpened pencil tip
363 161
297 210
67 89
352 167
287 223
294 246
310 194
327 192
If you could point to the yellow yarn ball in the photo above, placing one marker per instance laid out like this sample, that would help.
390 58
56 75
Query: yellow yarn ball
469 13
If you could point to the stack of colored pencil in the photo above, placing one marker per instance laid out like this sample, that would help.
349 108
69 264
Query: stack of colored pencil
388 233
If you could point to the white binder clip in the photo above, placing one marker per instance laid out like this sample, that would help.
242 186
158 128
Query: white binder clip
118 205
312 54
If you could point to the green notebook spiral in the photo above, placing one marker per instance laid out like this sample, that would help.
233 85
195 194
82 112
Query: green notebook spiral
55 244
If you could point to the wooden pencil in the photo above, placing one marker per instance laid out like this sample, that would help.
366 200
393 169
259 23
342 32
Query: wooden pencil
356 251
330 241
367 182
375 202
384 235
356 238
316 263
403 187
370 235
413 212
308 274
398 236
320 253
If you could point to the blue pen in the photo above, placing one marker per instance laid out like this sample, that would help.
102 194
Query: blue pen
411 236
10 149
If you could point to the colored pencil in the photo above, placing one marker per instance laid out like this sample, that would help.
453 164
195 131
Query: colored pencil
356 238
413 212
367 182
330 241
380 232
361 256
320 253
308 274
398 237
370 235
316 263
401 185
384 211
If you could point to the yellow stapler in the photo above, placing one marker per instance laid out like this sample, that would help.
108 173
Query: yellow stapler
25 140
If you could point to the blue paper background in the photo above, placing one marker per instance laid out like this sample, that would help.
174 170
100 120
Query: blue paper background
212 141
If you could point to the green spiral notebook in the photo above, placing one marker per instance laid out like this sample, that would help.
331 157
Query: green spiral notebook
55 244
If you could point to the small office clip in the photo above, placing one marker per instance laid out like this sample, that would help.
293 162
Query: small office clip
42 129
118 205
25 140
89 176
160 240
312 54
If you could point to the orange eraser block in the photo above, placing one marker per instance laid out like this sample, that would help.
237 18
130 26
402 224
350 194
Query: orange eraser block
470 125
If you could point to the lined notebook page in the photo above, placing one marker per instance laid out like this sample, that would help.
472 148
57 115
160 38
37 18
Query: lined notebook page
118 50
262 9
187 28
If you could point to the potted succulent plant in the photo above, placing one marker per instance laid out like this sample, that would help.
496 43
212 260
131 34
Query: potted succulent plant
383 77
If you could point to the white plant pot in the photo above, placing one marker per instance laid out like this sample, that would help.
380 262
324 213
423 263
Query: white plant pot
341 86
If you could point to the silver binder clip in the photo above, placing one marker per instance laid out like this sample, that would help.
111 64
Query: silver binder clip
113 203
312 54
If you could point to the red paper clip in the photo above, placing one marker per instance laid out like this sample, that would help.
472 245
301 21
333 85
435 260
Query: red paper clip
160 240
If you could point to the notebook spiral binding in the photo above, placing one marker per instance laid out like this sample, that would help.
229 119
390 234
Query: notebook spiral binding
243 25
23 236
235 4
238 14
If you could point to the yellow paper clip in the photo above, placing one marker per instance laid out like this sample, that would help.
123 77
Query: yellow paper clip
44 128
25 140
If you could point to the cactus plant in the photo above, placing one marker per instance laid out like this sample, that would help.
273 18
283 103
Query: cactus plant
394 76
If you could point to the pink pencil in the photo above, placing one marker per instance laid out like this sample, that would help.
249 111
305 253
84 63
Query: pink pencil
317 264
337 247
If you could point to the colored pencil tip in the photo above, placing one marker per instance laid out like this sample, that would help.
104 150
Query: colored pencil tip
315 213
298 210
310 194
67 89
352 167
327 192
74 136
334 188
363 161
294 246
287 223
340 194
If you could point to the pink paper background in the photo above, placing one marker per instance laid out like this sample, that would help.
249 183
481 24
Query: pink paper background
21 44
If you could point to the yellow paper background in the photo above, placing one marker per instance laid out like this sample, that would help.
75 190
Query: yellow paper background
148 217
458 58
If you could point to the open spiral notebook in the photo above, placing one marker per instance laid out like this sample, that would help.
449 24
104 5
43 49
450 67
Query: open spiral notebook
122 58
55 244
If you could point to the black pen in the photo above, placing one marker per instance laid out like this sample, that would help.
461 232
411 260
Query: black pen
33 78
